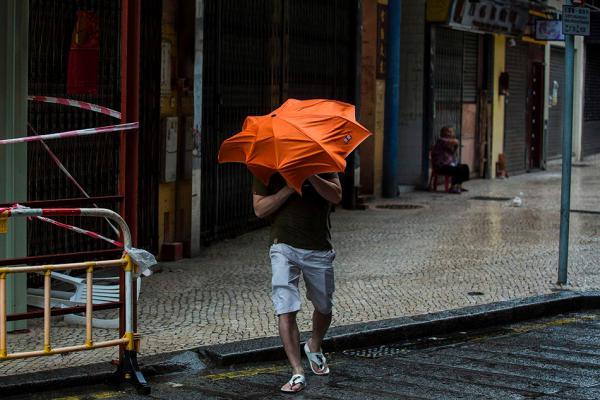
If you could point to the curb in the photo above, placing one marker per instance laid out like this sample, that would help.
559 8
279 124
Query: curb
338 338
404 328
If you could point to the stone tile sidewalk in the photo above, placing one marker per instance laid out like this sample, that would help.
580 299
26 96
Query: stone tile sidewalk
453 252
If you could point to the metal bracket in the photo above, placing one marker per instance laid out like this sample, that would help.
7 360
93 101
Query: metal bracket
129 371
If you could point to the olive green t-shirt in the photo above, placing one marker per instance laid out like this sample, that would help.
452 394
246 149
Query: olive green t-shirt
302 221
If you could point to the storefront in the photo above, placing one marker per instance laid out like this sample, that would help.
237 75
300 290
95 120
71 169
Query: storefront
462 49
523 124
591 110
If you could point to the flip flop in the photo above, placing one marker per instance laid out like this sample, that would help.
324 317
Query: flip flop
318 358
297 379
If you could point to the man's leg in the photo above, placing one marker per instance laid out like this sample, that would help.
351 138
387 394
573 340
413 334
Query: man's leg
321 323
319 278
286 300
290 337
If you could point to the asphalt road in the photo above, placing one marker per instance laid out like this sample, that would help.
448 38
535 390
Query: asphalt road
553 358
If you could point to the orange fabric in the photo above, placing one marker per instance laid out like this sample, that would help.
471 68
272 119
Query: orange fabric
299 139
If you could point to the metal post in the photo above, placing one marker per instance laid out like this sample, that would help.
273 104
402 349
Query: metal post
47 305
197 152
392 101
565 196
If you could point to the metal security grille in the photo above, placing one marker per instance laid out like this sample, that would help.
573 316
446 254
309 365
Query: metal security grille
257 54
516 108
470 67
555 122
448 79
94 160
236 83
320 58
591 114
149 172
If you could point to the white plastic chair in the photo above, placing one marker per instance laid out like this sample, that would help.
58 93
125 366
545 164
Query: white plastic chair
101 293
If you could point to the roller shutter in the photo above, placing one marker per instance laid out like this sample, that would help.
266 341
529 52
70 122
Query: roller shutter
516 108
591 115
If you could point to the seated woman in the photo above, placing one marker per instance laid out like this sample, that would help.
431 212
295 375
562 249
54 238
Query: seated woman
444 163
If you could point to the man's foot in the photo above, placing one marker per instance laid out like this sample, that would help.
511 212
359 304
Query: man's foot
318 362
294 385
454 190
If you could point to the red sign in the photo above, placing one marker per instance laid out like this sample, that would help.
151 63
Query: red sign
578 2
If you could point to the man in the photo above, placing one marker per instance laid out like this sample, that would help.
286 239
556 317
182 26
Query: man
300 244
443 159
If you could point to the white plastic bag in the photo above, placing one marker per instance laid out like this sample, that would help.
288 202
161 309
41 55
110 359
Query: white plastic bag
143 259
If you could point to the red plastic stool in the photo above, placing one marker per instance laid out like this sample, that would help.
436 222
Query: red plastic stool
433 181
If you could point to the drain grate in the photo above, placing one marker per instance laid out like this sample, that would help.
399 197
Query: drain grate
399 206
475 293
491 198
375 352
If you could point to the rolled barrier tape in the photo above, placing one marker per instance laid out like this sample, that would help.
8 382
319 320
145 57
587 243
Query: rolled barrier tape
73 228
76 103
75 133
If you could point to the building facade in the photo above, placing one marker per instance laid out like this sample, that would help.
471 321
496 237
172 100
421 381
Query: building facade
207 64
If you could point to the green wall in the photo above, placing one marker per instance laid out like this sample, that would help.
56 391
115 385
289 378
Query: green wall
14 22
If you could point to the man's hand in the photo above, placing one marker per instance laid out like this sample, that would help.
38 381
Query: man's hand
267 205
329 189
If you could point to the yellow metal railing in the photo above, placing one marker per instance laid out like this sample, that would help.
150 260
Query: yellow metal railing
128 368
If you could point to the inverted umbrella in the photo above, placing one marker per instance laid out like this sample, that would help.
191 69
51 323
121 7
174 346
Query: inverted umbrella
299 139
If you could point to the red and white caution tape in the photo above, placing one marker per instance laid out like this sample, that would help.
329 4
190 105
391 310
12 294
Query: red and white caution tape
76 133
60 165
76 103
71 227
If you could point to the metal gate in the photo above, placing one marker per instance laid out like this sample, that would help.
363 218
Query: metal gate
591 114
448 79
555 122
149 169
94 160
320 57
257 54
515 128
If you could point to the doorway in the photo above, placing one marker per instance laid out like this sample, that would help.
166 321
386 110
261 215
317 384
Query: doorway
535 107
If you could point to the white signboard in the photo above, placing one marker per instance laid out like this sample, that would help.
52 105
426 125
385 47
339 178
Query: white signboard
576 21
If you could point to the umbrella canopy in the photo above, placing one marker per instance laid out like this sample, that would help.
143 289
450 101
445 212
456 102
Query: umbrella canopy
299 139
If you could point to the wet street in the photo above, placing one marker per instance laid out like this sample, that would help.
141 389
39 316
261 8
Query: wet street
551 358
421 253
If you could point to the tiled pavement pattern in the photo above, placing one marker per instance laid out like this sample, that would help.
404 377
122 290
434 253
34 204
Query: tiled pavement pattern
390 263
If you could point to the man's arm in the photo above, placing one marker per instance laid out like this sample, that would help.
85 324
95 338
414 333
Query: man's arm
330 189
267 205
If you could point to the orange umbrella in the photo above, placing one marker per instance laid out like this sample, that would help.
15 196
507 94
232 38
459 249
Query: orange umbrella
299 139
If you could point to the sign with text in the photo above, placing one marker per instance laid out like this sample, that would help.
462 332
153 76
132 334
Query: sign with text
576 21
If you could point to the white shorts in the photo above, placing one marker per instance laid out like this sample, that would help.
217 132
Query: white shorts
287 263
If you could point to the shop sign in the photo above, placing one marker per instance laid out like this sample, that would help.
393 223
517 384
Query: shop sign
576 21
489 16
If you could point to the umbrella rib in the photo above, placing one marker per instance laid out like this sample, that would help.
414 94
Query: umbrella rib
308 136
316 141
254 146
